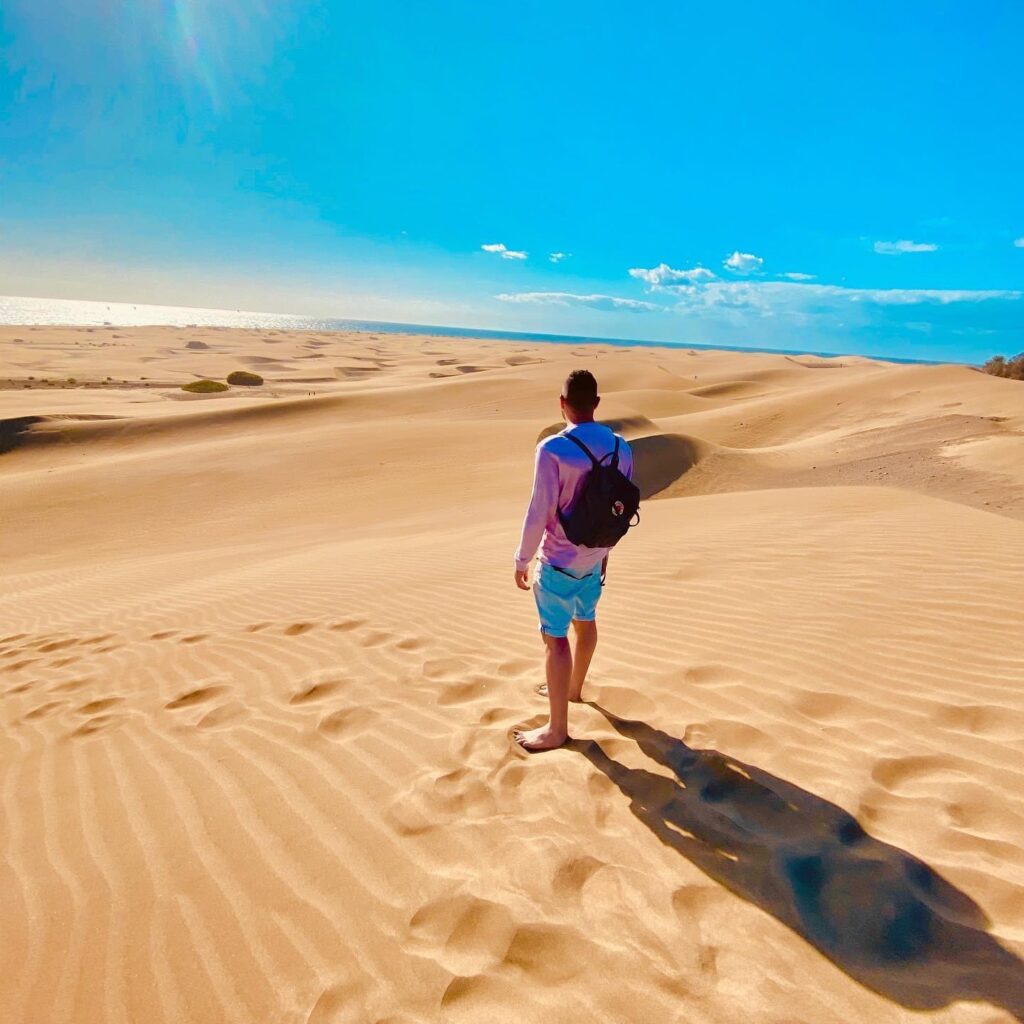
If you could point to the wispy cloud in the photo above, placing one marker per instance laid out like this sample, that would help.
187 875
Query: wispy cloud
700 289
770 297
603 302
902 246
664 274
504 251
557 257
743 262
1019 243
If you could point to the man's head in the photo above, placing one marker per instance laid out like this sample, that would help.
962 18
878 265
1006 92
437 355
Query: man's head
579 396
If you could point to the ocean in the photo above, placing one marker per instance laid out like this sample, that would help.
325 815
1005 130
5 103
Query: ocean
21 310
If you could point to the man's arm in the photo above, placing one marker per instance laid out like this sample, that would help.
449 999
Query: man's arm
543 502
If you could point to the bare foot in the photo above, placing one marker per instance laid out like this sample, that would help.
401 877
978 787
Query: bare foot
536 740
575 698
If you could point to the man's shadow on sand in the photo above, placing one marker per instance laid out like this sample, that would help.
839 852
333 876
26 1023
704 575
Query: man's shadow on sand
882 916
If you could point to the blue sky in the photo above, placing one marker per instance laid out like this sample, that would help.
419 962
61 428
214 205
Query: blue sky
803 175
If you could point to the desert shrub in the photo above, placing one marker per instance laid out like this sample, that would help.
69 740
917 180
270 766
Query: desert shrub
1000 366
204 387
245 379
71 380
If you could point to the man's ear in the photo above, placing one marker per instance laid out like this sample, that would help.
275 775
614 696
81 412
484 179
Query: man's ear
597 401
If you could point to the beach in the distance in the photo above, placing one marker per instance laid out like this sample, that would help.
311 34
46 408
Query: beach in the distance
261 656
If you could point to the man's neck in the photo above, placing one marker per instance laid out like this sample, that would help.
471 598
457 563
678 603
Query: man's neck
576 422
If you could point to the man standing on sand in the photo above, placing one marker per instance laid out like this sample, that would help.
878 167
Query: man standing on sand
568 582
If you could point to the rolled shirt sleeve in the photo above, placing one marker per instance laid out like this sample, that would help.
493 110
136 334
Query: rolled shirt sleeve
543 504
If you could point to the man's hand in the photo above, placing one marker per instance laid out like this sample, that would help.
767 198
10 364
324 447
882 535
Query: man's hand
522 581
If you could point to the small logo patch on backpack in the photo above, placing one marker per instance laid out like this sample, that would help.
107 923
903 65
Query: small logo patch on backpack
618 508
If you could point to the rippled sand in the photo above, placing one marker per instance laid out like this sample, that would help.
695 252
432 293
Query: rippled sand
261 655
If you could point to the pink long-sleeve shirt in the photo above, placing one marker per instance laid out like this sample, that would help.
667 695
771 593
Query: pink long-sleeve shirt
559 471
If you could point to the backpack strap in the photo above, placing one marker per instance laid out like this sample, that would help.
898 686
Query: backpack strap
590 454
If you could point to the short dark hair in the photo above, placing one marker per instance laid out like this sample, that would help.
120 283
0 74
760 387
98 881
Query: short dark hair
580 390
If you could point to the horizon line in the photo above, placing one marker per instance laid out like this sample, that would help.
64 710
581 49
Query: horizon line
442 330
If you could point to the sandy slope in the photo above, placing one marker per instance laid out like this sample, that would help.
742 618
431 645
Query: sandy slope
261 653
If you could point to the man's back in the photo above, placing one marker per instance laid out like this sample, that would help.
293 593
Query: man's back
560 470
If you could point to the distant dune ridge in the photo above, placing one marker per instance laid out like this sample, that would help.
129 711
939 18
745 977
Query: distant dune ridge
261 656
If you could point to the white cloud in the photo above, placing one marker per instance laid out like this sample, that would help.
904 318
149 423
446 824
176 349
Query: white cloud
603 302
767 298
663 274
796 276
902 246
557 257
505 252
743 262
1019 242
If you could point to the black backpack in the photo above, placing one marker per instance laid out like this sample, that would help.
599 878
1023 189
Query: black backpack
606 506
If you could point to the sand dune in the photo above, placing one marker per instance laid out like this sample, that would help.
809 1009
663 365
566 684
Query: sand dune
261 657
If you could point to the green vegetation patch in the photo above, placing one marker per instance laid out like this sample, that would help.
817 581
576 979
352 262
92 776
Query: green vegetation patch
245 379
204 387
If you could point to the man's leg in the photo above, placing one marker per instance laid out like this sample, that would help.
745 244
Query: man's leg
558 669
583 651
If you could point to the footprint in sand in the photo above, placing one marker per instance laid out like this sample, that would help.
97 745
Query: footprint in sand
462 693
991 721
94 707
43 710
165 635
314 692
298 628
257 627
195 638
223 715
442 668
601 790
463 933
57 645
347 625
517 667
193 697
892 773
95 725
573 874
346 722
24 663
411 643
69 686
548 954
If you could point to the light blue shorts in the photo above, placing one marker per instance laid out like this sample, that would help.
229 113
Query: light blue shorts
561 598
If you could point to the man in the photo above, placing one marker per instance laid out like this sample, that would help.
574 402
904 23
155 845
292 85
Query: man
568 582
